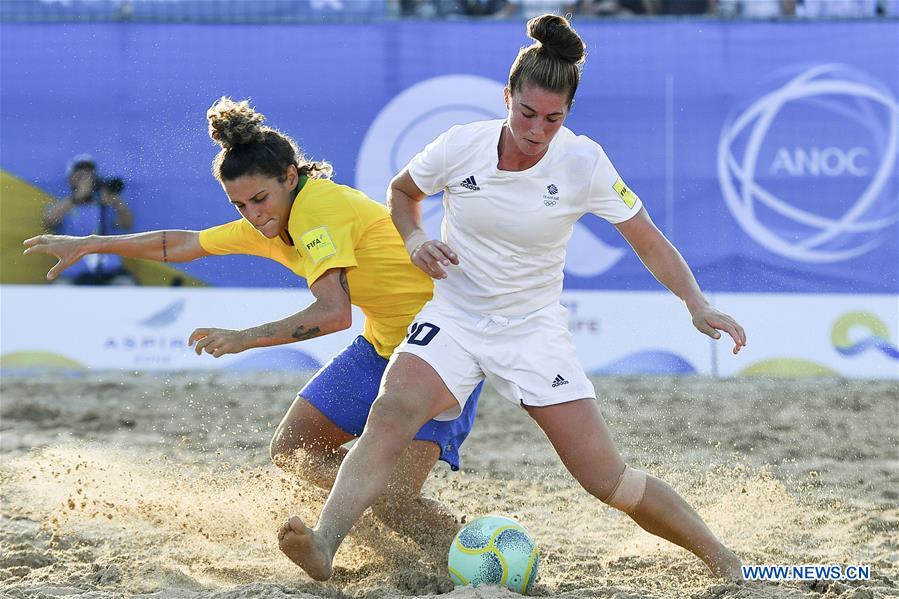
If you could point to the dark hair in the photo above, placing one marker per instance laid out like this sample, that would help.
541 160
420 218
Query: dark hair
251 148
553 62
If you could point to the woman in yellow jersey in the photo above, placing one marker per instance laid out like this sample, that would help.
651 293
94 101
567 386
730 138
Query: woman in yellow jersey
348 250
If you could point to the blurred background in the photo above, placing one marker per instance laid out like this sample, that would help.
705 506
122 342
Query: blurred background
761 135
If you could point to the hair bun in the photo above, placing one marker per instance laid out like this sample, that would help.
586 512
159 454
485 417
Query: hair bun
557 38
234 123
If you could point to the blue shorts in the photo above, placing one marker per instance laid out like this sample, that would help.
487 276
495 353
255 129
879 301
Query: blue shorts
344 389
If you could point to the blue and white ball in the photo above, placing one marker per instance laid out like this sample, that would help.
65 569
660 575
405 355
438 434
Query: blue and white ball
494 550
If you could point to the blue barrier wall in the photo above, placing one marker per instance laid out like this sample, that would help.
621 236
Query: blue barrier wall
766 151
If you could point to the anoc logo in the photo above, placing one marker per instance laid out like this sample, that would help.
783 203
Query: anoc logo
858 332
809 168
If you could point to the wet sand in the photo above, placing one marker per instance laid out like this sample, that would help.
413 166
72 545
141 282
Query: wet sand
139 485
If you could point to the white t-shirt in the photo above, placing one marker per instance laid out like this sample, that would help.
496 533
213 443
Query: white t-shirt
510 229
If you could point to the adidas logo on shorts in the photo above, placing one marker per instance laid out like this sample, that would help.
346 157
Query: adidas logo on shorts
471 184
559 381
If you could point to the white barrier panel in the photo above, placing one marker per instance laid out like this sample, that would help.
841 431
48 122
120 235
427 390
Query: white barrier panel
615 332
146 328
635 333
847 335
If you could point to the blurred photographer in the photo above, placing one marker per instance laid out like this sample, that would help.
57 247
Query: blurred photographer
94 206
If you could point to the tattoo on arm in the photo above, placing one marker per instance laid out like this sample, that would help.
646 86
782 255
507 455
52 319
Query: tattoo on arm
165 254
345 284
302 333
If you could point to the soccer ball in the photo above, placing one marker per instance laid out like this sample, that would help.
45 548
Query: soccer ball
494 550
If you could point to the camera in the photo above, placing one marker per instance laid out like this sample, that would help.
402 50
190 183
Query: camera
99 184
111 184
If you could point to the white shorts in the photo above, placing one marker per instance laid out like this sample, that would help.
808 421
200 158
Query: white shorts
530 360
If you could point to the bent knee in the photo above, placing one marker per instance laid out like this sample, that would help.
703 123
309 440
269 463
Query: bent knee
286 449
628 491
391 415
280 450
282 445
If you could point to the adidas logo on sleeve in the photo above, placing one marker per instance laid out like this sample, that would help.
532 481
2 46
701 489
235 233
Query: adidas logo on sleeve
471 184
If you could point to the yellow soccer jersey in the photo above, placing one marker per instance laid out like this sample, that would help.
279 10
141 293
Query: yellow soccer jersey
335 226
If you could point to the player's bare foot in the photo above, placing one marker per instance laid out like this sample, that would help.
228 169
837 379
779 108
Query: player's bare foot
727 565
300 543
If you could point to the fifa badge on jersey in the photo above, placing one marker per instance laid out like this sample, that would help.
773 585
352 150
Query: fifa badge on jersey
624 192
318 243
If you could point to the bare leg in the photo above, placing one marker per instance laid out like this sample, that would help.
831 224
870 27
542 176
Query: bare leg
580 436
428 522
412 393
308 445
666 514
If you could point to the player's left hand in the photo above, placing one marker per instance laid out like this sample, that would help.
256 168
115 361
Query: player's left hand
217 342
709 321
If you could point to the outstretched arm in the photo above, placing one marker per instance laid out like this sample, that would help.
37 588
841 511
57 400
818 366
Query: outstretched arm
669 267
404 201
331 311
162 246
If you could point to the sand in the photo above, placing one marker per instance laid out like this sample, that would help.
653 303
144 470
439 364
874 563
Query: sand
140 485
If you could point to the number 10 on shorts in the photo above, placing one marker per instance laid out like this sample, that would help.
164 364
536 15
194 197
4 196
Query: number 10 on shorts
421 333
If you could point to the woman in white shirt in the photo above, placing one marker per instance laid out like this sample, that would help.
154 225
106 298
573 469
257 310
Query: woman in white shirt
512 191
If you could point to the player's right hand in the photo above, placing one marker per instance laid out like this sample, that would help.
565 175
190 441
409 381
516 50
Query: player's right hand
66 249
218 342
432 256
